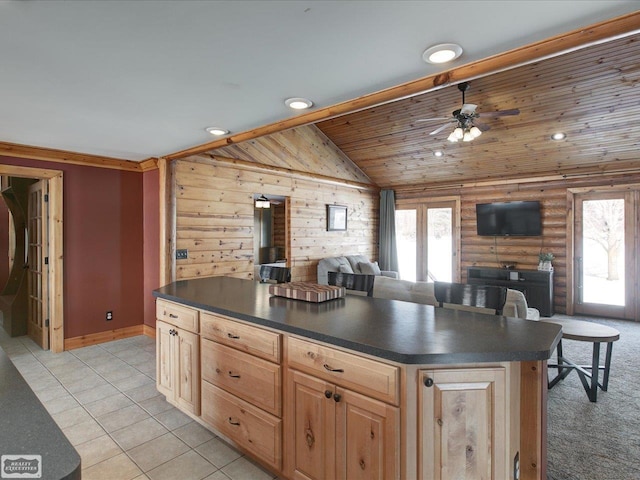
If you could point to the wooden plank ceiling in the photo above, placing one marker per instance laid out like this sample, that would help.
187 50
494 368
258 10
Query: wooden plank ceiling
593 95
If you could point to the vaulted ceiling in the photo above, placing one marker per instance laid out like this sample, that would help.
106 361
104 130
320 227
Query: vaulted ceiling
592 95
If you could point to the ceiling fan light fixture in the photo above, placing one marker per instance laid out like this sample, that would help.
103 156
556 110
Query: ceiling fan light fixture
467 137
458 133
475 132
262 202
298 103
558 136
217 131
452 137
442 53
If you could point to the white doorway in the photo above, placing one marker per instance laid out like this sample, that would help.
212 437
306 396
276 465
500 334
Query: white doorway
427 236
604 257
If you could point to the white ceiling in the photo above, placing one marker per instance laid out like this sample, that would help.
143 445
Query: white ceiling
140 79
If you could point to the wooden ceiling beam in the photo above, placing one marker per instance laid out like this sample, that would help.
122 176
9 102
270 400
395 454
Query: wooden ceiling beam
63 156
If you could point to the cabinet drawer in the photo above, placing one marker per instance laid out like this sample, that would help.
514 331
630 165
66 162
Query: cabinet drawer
252 379
253 340
183 317
257 431
369 377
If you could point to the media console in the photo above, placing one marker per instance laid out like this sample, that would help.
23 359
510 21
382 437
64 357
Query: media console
537 285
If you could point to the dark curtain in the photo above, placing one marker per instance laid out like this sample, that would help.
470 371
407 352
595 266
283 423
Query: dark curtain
388 249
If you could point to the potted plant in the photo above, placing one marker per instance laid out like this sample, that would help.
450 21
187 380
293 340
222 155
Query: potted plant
544 261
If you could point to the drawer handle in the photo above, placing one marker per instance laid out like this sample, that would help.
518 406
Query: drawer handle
171 315
233 375
233 422
232 336
335 370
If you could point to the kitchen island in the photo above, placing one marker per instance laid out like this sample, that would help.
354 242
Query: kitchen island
31 443
356 387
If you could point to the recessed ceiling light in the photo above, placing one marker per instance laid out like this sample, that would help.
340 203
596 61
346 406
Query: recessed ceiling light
298 103
217 131
442 53
438 153
558 136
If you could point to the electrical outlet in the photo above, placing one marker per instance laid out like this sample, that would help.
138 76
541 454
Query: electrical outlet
182 254
109 316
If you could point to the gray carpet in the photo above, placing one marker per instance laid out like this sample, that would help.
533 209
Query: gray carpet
597 441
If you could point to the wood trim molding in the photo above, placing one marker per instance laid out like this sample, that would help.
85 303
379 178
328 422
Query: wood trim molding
533 420
148 164
577 39
149 331
63 156
519 180
56 247
167 220
258 167
101 337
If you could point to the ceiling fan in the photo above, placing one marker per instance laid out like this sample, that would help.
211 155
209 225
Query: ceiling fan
464 118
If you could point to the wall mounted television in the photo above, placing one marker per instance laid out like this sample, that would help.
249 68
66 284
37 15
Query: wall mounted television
509 219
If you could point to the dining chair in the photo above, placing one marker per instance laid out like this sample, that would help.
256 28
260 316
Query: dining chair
353 281
269 274
477 296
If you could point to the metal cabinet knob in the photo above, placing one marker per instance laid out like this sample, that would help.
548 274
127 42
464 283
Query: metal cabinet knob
428 382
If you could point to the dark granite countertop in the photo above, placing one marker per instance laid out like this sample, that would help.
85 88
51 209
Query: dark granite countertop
28 429
403 332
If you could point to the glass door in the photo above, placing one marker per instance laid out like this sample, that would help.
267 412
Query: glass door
604 254
427 239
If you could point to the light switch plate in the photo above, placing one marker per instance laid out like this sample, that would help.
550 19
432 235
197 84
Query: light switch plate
182 254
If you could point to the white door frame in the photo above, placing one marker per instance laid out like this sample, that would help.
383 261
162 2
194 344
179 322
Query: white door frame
56 262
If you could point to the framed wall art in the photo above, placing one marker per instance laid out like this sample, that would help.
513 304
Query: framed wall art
336 218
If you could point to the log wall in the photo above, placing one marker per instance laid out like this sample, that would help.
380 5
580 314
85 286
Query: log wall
214 217
522 251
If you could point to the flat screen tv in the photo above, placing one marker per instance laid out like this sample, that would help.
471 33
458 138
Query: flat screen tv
509 219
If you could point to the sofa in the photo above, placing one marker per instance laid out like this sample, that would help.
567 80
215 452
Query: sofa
350 264
422 292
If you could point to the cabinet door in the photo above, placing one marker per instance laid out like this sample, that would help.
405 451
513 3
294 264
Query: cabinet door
367 438
187 366
164 362
463 430
311 439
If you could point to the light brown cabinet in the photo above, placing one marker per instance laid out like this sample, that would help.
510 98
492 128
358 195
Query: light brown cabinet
242 385
334 432
178 366
311 411
341 414
463 424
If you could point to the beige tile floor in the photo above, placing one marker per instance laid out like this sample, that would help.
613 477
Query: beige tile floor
104 399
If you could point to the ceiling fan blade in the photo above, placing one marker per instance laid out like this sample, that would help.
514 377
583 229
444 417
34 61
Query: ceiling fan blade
436 119
468 109
500 113
482 126
439 129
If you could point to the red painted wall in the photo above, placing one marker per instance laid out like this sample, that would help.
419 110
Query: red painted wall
151 188
103 246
